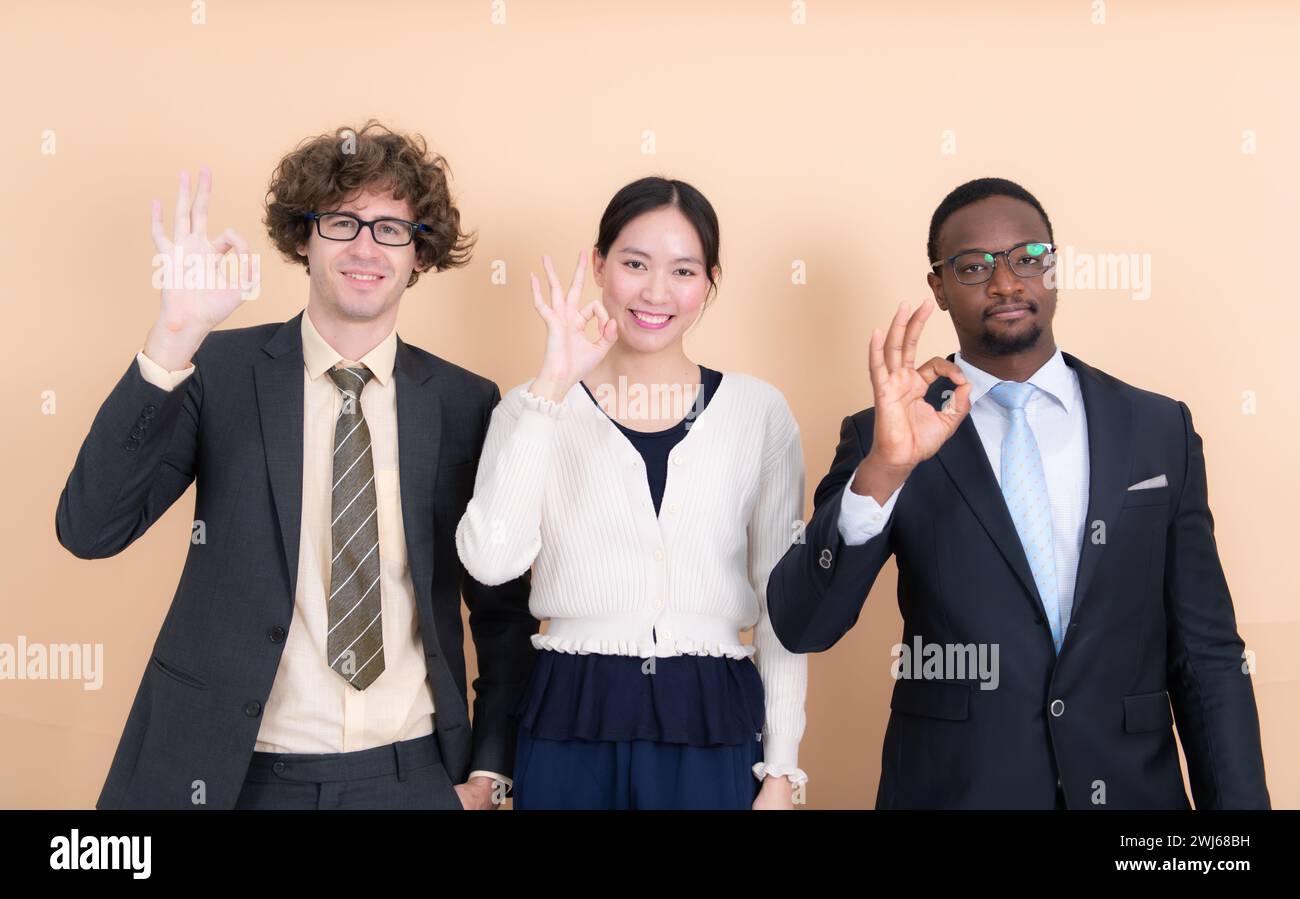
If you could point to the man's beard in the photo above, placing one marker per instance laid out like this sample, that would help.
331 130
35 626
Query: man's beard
995 344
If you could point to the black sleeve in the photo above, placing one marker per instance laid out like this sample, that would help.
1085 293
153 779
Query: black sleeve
1209 679
502 630
136 461
817 590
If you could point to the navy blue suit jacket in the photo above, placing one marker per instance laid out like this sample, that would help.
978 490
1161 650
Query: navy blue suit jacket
1152 624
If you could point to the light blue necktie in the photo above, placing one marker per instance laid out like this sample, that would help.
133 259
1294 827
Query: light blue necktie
1025 488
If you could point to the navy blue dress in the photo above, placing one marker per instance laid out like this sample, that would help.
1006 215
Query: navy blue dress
606 731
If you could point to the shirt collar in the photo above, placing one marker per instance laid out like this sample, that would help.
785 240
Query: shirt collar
1053 378
319 356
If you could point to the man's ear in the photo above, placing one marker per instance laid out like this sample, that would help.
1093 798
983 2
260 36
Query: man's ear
936 287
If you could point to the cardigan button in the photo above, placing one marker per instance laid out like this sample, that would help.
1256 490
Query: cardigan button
659 603
674 507
659 553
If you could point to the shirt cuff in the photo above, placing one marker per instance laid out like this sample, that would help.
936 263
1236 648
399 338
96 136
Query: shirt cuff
492 774
862 518
158 376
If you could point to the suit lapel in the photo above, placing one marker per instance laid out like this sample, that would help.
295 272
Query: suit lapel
968 466
419 437
1110 449
278 381
1110 459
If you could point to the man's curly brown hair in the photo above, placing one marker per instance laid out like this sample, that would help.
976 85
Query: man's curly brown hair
327 170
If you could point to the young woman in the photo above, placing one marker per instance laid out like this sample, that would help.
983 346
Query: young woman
651 520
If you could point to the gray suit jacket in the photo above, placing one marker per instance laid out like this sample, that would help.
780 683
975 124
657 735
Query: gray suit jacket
235 427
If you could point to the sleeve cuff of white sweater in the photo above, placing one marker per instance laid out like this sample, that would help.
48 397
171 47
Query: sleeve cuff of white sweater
780 755
548 408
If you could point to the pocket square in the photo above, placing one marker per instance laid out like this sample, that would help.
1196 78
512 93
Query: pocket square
1158 481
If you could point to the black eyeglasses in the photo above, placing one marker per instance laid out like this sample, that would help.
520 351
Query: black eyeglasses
1026 260
390 232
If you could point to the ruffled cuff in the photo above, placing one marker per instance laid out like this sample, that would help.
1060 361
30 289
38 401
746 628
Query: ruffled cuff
780 757
796 775
547 407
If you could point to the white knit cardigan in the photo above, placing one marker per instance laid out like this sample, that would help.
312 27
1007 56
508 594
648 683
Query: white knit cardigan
561 489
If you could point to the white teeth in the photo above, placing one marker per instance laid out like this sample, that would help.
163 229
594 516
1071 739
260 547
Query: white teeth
363 277
651 319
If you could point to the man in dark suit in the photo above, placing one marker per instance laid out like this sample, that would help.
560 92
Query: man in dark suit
1046 518
313 653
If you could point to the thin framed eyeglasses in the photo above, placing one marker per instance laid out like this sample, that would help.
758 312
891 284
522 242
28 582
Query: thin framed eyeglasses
391 232
1027 260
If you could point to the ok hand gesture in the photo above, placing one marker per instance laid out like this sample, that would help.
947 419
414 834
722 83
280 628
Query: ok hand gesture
570 356
189 311
908 429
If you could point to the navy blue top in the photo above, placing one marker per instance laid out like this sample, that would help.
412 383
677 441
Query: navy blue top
654 446
696 700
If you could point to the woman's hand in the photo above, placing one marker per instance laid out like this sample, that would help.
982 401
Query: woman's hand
776 794
570 356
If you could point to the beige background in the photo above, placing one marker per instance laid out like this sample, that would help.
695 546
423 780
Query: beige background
820 142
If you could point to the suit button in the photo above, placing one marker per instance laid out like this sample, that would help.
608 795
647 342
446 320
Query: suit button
824 560
1058 708
149 410
131 444
253 709
277 634
278 767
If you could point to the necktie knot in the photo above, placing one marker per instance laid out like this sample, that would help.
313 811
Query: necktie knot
1011 395
351 381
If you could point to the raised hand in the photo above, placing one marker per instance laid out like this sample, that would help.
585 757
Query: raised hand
189 313
570 355
908 430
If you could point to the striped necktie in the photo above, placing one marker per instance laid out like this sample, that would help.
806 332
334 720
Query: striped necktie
1024 486
355 644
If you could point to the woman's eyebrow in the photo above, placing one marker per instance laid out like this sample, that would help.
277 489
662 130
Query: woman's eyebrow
635 252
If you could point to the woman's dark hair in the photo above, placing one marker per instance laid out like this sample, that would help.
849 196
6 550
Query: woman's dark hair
649 194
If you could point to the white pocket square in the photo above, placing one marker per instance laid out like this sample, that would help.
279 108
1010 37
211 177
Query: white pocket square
1158 481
